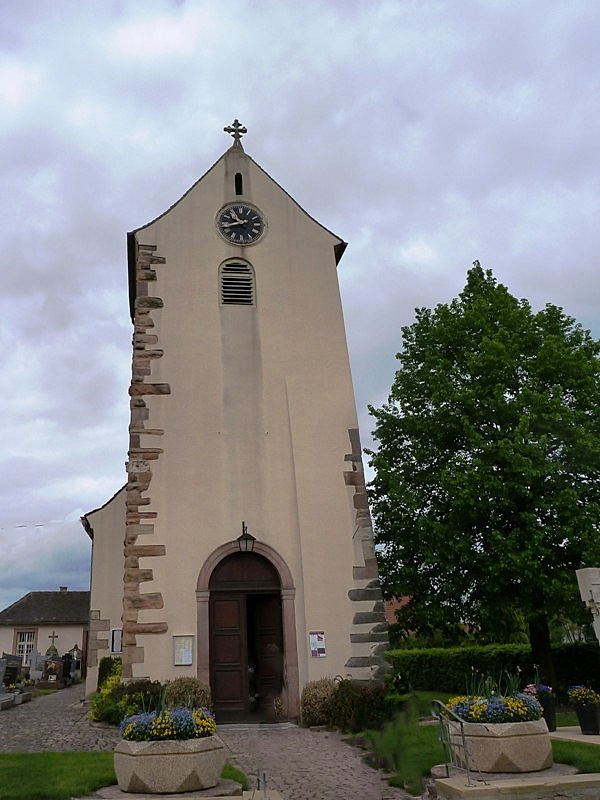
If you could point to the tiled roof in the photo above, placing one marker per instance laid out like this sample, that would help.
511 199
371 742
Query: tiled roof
48 608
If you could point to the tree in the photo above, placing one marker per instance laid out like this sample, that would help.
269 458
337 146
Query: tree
486 495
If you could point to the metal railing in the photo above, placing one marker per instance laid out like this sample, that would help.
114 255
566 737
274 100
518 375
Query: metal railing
454 741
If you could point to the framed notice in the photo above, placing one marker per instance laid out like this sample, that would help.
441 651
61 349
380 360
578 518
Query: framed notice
183 647
316 641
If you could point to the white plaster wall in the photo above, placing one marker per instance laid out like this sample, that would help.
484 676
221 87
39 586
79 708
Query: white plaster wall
106 595
6 639
67 636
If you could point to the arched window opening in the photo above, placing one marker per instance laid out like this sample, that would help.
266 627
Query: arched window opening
237 284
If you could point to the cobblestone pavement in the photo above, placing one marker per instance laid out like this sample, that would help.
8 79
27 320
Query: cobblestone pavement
301 764
306 765
55 721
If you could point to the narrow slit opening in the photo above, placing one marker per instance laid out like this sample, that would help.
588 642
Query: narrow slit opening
239 183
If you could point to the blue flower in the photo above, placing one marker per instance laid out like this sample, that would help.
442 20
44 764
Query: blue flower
170 723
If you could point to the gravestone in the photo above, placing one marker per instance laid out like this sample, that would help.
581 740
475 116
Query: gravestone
36 665
37 660
75 654
12 668
52 651
52 676
67 665
2 669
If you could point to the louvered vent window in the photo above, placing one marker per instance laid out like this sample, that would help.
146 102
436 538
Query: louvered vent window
237 284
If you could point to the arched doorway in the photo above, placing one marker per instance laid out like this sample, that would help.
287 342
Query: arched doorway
245 638
291 683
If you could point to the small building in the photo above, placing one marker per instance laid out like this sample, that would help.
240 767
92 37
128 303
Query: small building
40 620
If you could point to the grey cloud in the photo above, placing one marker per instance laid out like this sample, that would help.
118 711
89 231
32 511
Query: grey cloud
426 134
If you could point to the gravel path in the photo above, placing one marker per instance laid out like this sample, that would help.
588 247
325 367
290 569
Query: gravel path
301 764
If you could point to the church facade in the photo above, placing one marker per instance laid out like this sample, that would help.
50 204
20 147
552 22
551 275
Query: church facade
240 550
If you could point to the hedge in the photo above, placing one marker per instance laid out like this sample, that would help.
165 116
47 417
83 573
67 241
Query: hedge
450 669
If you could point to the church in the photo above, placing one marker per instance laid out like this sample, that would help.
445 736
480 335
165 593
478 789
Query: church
240 550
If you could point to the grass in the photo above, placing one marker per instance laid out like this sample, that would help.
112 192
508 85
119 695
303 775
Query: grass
59 776
42 692
566 719
54 776
584 757
423 700
232 773
408 750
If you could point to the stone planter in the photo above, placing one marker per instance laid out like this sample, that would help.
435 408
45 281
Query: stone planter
588 718
505 746
172 766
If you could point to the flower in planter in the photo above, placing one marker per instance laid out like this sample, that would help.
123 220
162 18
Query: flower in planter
537 689
519 707
169 723
544 695
583 696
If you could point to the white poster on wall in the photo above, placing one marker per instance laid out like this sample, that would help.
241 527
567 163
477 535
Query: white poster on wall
182 650
316 641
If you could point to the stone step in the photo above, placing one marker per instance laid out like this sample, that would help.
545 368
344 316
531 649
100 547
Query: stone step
522 787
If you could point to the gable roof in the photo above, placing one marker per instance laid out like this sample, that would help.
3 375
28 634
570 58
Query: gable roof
48 608
338 248
87 525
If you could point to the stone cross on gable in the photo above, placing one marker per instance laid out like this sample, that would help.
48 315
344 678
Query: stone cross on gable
236 130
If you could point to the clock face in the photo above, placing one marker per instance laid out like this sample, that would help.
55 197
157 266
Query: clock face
239 223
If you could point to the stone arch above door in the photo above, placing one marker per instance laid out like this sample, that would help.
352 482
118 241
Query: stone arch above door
290 666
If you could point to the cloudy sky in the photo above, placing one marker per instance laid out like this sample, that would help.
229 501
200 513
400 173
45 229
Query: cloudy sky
425 133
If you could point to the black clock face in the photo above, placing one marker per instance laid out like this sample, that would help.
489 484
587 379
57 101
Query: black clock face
240 224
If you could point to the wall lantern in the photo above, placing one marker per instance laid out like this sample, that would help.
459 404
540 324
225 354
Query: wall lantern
246 540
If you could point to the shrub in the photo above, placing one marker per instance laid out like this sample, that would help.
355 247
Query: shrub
315 703
117 700
358 706
104 706
138 696
108 666
449 669
187 693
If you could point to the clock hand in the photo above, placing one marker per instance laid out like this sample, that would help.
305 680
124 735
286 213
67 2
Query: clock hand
231 224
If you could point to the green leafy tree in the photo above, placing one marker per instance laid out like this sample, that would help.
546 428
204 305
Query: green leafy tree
486 496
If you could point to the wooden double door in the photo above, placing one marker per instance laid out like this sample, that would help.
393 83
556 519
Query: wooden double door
246 639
